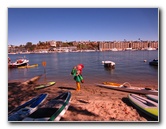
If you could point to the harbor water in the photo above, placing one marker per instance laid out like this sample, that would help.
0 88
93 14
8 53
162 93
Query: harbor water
130 66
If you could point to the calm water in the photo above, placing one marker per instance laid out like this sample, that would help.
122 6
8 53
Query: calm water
130 67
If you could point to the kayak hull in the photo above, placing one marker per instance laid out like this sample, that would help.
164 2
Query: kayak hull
53 110
130 89
27 109
145 105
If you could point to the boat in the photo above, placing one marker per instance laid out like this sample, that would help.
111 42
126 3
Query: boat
53 110
145 105
29 102
150 48
108 64
154 62
27 108
44 85
152 97
114 49
123 87
18 62
28 66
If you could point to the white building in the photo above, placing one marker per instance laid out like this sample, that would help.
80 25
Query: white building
53 43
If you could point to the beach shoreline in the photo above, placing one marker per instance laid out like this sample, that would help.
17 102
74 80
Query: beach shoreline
90 104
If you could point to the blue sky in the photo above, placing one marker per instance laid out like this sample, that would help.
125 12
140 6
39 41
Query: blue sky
75 24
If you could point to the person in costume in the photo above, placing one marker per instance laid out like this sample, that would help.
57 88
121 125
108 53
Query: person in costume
77 74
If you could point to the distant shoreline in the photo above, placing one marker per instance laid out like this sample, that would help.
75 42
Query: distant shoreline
151 49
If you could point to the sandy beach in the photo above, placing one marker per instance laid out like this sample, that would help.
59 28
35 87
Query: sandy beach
90 104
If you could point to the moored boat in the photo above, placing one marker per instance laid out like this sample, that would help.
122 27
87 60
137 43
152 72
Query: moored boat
109 64
19 62
154 62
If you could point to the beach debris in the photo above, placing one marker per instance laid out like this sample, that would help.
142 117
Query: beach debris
31 81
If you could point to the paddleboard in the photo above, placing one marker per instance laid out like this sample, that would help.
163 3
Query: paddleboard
27 110
29 66
145 105
44 85
152 97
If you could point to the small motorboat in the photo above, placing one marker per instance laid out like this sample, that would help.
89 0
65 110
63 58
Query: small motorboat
108 64
19 62
154 62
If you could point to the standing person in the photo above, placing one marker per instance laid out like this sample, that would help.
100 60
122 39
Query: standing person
77 73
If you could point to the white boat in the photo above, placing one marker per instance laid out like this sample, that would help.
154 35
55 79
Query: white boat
150 48
109 64
18 62
114 49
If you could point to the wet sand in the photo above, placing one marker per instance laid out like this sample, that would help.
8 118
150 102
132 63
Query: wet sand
90 104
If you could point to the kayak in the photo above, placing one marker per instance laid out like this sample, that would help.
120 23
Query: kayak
152 97
27 108
44 85
130 89
29 102
112 84
145 105
53 110
29 66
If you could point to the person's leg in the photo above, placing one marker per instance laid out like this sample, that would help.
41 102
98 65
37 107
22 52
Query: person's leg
78 86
